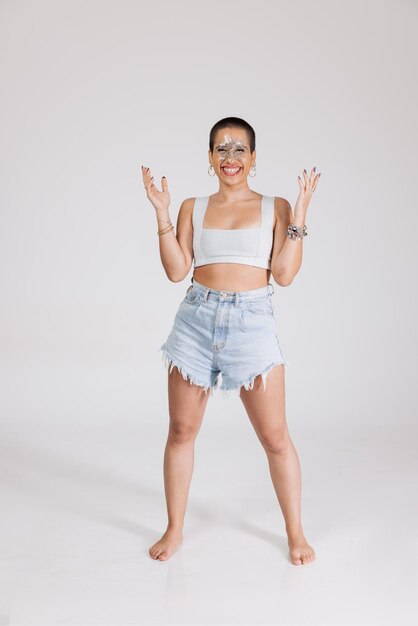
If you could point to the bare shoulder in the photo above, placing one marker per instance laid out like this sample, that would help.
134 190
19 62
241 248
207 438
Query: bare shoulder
282 211
187 205
186 211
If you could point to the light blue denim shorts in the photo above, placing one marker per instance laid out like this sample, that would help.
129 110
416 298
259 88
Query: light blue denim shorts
222 340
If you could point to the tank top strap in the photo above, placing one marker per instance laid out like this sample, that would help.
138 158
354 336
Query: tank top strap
199 209
267 221
268 214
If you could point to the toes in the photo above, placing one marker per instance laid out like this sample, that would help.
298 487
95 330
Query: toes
302 555
154 552
163 556
307 558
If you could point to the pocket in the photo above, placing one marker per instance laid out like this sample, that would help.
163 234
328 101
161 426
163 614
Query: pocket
261 306
192 296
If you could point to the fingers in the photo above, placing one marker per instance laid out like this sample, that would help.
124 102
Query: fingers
315 182
147 178
309 183
314 179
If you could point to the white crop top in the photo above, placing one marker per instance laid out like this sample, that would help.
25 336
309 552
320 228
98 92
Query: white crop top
251 246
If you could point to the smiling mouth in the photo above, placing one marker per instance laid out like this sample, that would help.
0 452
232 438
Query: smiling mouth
231 171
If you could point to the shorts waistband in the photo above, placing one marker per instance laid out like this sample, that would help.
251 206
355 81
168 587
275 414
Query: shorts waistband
231 296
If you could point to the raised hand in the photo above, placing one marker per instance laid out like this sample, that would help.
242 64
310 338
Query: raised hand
306 188
159 199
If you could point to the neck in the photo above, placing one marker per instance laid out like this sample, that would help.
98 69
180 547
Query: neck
234 193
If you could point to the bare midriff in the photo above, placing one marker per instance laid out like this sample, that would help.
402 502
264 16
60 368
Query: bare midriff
232 276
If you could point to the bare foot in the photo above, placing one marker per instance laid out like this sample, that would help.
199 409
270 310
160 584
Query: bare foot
300 552
166 546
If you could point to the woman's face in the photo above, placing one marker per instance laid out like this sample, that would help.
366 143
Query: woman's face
231 157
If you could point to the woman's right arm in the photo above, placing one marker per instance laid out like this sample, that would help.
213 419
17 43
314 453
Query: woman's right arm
176 250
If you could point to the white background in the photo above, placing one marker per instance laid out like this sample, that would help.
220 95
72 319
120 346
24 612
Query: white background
90 91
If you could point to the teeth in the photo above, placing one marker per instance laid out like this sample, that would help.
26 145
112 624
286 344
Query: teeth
231 170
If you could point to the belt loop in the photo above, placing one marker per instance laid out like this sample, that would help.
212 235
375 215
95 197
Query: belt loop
236 298
272 291
206 294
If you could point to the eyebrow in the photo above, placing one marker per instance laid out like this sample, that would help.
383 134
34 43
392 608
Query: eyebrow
240 145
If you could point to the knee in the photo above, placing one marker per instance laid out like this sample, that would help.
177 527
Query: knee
181 432
276 441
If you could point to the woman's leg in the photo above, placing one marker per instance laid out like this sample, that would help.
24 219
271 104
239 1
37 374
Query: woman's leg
266 410
186 404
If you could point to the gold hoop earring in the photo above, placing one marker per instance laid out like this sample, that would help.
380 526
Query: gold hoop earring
211 166
252 168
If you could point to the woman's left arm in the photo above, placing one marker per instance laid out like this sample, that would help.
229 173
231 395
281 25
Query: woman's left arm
286 257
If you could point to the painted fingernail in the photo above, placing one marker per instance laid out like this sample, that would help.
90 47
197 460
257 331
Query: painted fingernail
314 168
305 171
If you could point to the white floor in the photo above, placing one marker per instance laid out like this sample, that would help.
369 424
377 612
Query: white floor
81 504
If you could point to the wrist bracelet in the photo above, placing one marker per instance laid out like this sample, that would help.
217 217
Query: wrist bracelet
296 232
165 230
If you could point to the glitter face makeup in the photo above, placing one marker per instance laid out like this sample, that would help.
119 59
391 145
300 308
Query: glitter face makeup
231 149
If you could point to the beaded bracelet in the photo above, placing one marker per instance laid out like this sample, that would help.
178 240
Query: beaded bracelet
296 232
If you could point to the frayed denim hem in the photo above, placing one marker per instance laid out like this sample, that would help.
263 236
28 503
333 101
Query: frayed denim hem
249 383
170 362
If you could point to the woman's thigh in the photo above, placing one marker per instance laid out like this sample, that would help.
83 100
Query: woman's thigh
266 408
186 403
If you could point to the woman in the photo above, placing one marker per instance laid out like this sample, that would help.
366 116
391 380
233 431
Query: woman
224 334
